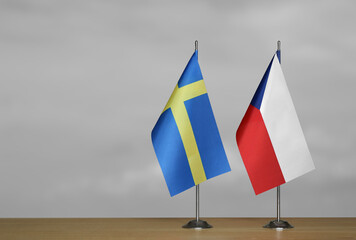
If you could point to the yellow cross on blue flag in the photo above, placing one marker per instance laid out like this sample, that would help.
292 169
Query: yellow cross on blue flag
186 138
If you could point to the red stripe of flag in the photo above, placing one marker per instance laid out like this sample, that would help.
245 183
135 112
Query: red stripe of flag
257 152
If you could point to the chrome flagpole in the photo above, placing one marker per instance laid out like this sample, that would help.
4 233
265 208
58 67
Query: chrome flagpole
278 223
197 203
278 203
197 222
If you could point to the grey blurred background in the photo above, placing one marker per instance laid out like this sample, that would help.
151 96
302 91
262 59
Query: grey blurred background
84 82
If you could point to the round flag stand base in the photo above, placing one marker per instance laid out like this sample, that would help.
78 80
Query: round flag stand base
197 224
278 224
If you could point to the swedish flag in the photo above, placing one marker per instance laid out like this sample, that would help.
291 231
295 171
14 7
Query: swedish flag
186 138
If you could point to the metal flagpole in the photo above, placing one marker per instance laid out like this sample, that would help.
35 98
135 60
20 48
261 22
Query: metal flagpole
279 187
278 223
197 203
197 222
278 203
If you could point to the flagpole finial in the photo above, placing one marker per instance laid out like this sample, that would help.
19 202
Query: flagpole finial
278 45
196 45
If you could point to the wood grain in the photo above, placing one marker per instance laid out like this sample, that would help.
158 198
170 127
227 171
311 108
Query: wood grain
170 228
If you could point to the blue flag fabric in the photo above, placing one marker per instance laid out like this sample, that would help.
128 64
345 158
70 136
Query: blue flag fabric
186 138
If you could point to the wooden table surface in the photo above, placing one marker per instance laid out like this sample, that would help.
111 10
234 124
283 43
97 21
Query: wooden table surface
170 228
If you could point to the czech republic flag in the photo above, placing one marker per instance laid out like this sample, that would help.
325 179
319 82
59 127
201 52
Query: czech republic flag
270 138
